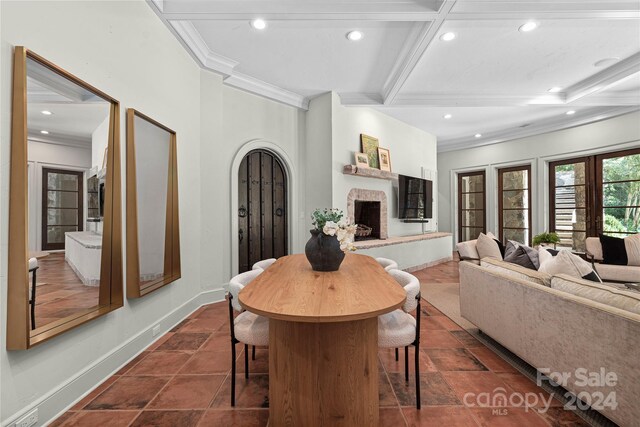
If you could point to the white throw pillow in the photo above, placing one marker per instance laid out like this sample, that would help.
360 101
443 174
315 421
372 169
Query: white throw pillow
487 247
563 263
632 246
468 249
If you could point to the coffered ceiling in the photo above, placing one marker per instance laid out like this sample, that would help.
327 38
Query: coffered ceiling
492 79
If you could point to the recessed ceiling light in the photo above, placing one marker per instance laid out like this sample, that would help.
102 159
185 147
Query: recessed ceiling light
259 24
529 26
44 132
570 112
555 89
46 112
447 37
606 62
478 135
447 116
354 36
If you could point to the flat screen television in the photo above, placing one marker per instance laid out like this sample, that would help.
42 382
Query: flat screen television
415 198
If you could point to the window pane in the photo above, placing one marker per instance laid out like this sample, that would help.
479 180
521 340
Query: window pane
574 240
473 201
516 219
472 183
621 194
621 168
62 216
62 199
571 174
470 233
570 197
520 236
622 220
62 181
472 219
55 234
515 180
515 199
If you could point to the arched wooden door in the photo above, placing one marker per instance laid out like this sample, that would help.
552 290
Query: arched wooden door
262 209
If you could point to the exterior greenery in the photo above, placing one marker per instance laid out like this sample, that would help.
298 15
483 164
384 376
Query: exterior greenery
546 238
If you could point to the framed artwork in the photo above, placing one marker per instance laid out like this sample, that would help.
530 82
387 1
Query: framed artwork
362 160
369 147
385 159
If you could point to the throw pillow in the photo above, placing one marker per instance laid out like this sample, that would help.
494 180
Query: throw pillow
632 246
613 250
487 247
510 248
500 246
520 257
468 249
567 263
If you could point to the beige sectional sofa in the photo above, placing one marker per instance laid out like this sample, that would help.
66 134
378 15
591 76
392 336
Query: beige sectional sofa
557 330
619 273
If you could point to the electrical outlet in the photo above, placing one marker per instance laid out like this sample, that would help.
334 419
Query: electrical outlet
28 420
155 330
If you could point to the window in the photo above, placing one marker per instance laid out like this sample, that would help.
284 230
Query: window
593 195
514 204
471 205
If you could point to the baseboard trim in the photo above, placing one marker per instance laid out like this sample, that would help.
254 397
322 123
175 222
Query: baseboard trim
428 264
56 402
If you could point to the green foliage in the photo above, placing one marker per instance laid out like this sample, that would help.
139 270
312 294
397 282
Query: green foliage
546 238
611 223
320 217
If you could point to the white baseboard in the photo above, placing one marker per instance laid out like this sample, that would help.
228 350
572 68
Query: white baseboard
59 400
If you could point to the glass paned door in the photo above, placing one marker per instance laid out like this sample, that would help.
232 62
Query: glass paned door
471 205
514 203
618 193
570 184
61 206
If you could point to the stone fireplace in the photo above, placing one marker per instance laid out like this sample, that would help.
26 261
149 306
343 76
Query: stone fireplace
369 207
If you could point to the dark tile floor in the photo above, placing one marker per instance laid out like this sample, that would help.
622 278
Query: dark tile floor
183 379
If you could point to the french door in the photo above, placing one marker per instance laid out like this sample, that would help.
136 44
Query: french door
514 204
61 206
593 195
472 208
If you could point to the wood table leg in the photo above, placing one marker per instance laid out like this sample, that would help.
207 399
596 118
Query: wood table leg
323 374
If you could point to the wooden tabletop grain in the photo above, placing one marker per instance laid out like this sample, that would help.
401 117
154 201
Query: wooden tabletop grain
290 290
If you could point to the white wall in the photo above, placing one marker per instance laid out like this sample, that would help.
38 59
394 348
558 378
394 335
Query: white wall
608 135
99 142
411 151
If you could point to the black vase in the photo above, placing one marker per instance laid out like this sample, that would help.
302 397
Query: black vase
323 252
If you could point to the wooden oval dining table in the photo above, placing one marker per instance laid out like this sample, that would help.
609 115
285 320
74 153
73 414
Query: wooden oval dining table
323 338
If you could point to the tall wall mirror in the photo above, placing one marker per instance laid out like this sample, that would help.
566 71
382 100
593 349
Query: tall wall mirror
65 231
153 238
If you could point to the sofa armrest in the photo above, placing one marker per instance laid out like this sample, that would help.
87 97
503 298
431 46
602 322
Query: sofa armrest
466 258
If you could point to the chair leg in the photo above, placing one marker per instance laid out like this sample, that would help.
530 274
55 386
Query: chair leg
406 363
253 352
233 373
396 354
246 361
417 374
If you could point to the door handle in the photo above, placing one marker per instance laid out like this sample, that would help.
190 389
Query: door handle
241 235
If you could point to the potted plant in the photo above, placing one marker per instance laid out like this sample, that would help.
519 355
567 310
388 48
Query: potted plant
331 237
546 239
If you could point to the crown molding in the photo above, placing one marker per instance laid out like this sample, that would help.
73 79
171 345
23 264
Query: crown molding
360 99
550 125
259 87
605 78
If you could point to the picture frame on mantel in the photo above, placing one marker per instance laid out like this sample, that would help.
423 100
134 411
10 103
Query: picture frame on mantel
362 160
384 158
369 146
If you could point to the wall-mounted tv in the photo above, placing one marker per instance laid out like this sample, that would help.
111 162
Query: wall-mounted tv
415 198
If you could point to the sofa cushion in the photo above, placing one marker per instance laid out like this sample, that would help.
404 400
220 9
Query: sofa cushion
520 257
488 247
606 294
613 250
566 262
619 273
516 271
468 249
632 245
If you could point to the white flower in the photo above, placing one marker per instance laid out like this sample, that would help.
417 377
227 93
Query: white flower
342 233
343 223
330 228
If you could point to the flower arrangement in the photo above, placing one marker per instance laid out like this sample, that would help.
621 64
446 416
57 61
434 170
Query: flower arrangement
332 223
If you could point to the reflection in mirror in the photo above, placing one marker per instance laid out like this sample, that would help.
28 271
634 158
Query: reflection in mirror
69 132
152 200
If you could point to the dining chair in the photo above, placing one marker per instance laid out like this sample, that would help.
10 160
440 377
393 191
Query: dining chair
246 328
33 266
387 264
401 329
264 264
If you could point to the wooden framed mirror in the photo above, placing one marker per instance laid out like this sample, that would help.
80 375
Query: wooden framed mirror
65 224
153 236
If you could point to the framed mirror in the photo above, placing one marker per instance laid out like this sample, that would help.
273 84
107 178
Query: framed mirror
153 237
65 225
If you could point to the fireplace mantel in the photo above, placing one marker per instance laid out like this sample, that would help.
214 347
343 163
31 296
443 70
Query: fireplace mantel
369 172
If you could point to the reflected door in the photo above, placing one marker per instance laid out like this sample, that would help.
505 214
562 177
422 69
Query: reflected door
262 209
61 206
514 204
471 205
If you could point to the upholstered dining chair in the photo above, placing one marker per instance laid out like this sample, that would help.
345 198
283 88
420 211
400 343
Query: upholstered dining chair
401 329
246 327
33 266
387 264
264 264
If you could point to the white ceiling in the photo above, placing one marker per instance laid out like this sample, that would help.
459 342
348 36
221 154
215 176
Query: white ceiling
492 78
